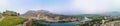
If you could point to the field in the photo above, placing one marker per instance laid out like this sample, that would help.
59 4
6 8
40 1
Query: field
11 21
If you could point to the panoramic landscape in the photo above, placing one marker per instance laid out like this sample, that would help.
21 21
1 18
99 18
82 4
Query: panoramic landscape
59 12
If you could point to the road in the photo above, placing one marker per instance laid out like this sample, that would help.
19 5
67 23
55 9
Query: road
2 18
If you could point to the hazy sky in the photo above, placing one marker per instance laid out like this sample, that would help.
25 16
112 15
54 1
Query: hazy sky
61 6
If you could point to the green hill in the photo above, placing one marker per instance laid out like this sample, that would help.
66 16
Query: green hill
12 21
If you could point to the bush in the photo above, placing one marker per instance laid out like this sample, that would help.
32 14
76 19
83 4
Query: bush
11 13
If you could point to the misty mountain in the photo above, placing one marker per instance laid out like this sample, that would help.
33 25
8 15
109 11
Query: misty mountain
34 13
41 12
113 13
47 13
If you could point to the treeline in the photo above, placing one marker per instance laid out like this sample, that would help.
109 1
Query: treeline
10 13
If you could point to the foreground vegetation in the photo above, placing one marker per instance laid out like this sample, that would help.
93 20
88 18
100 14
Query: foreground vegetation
11 18
95 20
99 20
11 21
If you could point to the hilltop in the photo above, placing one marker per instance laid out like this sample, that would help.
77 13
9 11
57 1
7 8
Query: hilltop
11 18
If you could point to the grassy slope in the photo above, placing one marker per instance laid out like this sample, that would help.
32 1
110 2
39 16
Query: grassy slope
11 21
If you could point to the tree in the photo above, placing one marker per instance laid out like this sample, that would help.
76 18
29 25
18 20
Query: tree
11 13
0 15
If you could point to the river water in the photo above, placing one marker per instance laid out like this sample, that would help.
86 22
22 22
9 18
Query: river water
64 24
69 23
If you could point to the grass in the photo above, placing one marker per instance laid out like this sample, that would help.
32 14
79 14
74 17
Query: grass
12 21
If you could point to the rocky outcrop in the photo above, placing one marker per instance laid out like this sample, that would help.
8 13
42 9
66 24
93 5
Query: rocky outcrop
112 23
32 13
28 22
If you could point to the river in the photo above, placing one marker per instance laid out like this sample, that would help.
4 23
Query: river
64 23
69 23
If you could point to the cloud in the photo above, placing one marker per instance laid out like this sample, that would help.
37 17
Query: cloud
91 6
4 3
20 6
61 6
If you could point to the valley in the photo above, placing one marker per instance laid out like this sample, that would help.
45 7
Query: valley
45 18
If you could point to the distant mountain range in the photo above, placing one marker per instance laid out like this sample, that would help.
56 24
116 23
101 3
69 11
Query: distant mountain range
35 13
41 12
47 13
114 13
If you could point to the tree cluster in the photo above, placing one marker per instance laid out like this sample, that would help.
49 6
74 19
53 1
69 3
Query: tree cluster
10 13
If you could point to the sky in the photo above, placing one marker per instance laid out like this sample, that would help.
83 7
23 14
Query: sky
61 6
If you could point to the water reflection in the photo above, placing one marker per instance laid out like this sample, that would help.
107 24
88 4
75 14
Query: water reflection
66 23
69 23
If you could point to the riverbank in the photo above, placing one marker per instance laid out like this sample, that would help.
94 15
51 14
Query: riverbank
69 23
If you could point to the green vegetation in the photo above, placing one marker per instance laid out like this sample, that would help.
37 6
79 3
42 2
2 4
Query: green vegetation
95 20
11 18
10 13
11 21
